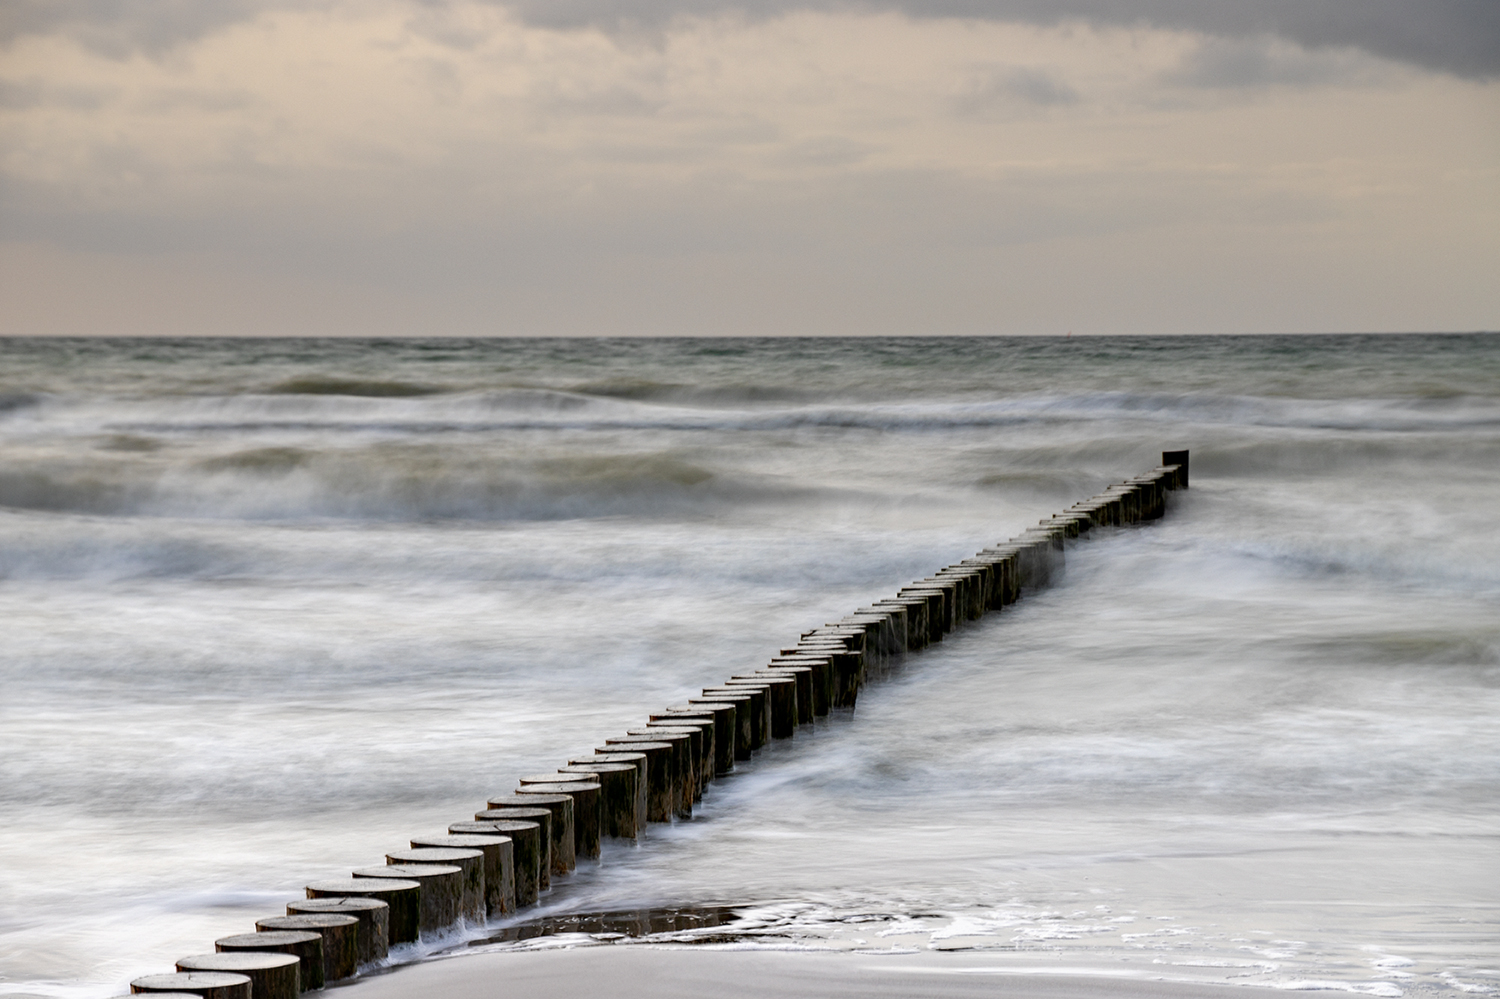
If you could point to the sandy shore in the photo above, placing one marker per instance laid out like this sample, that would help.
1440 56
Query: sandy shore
700 974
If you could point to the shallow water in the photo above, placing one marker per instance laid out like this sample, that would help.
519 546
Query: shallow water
273 607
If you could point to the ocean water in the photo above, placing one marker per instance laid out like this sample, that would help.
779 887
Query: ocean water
269 608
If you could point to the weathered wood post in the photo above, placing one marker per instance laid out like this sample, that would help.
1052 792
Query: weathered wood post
684 766
439 896
564 857
403 897
588 806
202 984
539 816
855 638
847 665
845 672
521 862
998 592
707 728
373 934
723 714
642 782
1180 459
939 605
970 589
471 860
663 785
820 685
767 692
742 743
340 939
955 595
758 712
914 609
305 946
782 698
803 675
272 976
618 798
885 629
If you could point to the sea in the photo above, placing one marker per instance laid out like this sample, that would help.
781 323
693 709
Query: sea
271 607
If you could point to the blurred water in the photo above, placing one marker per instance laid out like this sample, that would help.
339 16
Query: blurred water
271 607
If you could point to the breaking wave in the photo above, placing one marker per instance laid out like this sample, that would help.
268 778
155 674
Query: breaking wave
389 482
366 387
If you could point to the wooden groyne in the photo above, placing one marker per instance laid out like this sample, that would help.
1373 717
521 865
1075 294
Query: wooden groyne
505 857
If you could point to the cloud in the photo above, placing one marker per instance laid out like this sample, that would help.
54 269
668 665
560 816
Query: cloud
1460 37
120 28
425 165
1222 63
993 86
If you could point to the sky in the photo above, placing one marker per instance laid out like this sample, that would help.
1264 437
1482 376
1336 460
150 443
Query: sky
771 167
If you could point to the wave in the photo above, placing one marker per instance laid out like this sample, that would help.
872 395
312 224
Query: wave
324 404
12 401
532 408
642 390
387 482
365 387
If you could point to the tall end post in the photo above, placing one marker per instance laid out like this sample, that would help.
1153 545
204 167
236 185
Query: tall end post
1180 459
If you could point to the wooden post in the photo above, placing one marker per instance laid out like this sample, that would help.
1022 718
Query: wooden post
564 857
439 896
758 714
202 984
1180 459
588 806
914 612
744 734
662 783
781 701
305 946
340 939
804 677
707 745
821 683
471 860
374 916
539 815
723 713
847 667
781 696
684 766
939 605
524 857
586 811
272 976
642 781
618 797
404 898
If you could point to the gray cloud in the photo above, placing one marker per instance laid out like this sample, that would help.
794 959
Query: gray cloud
995 86
1461 37
1252 62
31 94
120 28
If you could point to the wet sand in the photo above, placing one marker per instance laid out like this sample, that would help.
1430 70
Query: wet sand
680 973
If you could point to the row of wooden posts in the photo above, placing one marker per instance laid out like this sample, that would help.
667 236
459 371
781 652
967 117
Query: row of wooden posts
502 859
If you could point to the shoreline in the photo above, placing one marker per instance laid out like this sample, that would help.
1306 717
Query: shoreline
695 972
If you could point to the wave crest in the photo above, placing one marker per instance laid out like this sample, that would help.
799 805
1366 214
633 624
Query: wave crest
382 482
372 388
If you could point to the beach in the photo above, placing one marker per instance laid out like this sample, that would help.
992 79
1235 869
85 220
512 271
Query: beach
274 608
678 974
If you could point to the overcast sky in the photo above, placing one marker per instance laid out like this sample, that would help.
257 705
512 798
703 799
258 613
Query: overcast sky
772 167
